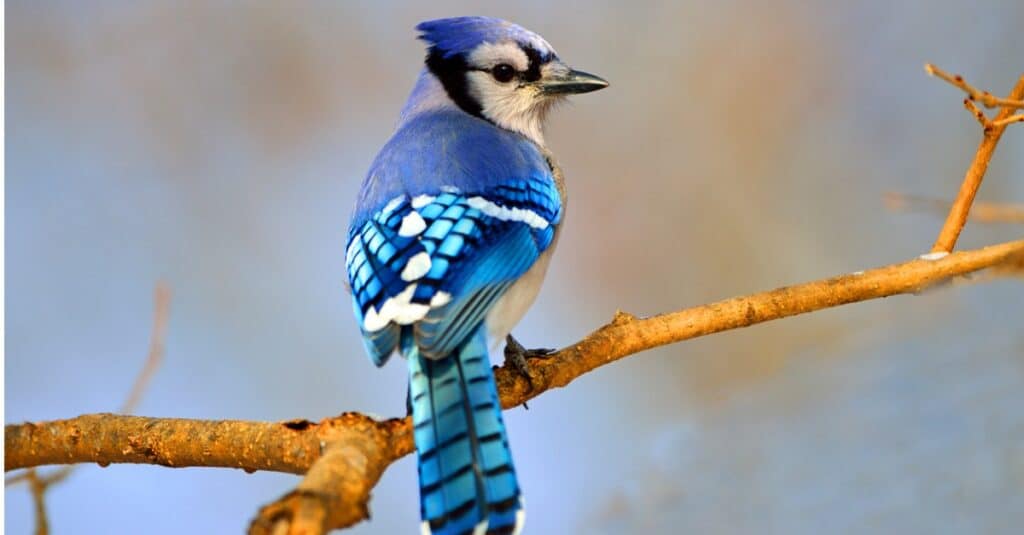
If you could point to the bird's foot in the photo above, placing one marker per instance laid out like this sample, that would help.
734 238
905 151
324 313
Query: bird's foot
517 356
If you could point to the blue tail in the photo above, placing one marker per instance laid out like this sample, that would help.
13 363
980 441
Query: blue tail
467 482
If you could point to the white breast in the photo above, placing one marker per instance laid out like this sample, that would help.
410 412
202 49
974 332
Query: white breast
511 306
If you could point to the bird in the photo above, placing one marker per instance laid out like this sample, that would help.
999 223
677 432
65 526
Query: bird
449 241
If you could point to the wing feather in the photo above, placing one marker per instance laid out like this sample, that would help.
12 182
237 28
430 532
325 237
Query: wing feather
436 262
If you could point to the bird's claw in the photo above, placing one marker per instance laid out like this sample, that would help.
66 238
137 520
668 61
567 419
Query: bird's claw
516 356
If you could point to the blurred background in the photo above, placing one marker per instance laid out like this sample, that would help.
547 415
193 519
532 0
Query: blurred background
218 146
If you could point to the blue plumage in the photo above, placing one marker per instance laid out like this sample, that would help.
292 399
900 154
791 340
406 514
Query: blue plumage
447 147
461 35
447 246
466 471
472 256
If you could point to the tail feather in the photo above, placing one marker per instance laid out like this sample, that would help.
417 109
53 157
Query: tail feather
467 480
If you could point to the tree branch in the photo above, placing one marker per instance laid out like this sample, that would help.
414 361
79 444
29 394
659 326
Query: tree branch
992 131
343 457
987 99
1018 118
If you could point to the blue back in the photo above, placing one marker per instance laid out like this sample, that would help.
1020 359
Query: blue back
447 147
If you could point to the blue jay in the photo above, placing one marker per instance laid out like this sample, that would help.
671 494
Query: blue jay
450 238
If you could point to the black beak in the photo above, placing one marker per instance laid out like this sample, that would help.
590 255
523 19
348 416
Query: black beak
572 83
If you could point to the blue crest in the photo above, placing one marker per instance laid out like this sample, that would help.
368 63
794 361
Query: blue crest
460 35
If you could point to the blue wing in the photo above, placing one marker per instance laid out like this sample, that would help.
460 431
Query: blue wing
433 259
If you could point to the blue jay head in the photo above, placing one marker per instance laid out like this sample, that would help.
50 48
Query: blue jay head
500 71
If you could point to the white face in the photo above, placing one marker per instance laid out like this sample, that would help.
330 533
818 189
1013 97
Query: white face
497 82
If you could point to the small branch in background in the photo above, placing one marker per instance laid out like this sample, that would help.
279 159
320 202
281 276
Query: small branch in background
37 487
981 212
977 113
986 124
161 313
39 484
987 99
992 131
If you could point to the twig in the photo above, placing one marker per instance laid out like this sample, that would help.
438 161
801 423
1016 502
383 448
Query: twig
977 113
37 488
346 455
161 313
987 99
981 212
992 131
1018 118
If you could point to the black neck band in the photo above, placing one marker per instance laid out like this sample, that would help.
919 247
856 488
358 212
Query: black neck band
451 71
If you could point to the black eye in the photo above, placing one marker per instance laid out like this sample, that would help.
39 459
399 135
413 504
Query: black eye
503 72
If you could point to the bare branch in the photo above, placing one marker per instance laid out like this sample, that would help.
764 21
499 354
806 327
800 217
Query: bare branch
108 438
38 489
161 313
346 455
977 113
992 132
1018 118
987 99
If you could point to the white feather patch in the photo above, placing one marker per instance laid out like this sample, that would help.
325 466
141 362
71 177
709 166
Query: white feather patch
481 527
412 225
372 321
420 201
425 528
440 299
511 106
399 309
416 267
487 55
522 215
